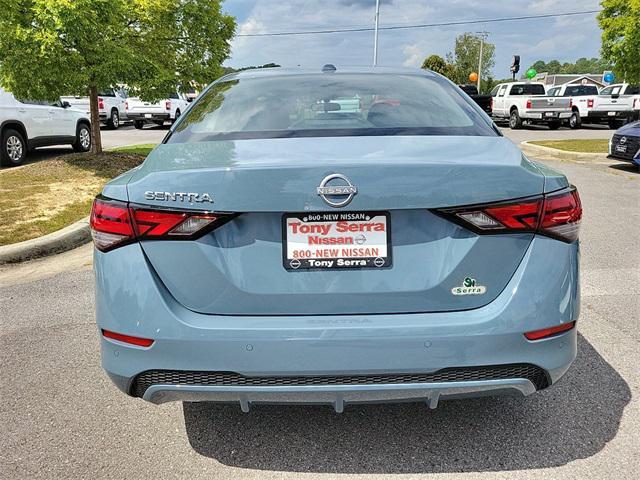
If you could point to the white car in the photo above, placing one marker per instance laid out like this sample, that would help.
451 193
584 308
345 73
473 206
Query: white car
26 124
159 112
617 104
583 98
111 106
528 101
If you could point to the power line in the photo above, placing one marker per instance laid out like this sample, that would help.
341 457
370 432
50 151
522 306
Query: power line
421 25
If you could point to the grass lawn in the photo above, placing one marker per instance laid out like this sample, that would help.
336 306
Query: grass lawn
46 196
141 149
580 146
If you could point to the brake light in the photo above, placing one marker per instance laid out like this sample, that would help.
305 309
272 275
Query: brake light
126 105
167 105
549 332
556 215
571 103
140 342
115 223
529 104
590 103
491 104
100 103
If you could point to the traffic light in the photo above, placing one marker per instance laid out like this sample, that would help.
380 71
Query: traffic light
515 65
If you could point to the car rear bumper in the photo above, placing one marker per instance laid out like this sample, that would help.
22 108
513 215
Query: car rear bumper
147 116
541 116
603 115
275 352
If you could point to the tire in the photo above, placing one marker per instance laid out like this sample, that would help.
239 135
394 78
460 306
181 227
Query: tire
515 121
554 125
177 116
575 121
114 119
138 124
83 138
13 149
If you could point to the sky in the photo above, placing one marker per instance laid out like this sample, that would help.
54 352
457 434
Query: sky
564 38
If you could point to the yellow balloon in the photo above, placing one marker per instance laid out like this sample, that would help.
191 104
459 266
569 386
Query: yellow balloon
473 77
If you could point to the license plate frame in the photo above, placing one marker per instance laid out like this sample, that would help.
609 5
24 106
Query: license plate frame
148 115
621 148
339 261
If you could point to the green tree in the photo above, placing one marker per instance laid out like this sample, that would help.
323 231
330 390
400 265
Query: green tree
620 24
466 55
439 65
50 48
582 65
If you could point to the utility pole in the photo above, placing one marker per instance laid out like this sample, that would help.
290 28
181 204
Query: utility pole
483 37
375 35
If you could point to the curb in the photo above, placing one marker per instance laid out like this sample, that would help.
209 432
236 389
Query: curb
65 239
541 150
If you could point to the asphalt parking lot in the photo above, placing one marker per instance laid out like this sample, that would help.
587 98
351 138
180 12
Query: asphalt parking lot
62 418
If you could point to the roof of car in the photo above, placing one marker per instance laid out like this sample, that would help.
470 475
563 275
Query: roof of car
280 71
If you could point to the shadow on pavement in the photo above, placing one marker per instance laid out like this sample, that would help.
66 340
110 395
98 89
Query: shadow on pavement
572 420
626 167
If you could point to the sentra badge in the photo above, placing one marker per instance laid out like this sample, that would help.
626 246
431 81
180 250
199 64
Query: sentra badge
469 287
190 197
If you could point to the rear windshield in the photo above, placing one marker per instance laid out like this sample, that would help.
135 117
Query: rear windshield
330 104
580 90
527 89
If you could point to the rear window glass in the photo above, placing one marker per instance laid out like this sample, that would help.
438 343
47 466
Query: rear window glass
331 104
527 89
580 90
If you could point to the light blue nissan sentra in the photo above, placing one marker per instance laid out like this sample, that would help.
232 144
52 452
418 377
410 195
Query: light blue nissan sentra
277 248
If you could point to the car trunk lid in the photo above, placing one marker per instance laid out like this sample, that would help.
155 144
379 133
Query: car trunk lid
238 268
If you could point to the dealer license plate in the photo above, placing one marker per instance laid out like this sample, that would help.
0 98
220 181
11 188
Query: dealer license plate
549 114
611 114
621 148
329 240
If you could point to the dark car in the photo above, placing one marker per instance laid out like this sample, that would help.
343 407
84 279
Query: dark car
625 144
483 100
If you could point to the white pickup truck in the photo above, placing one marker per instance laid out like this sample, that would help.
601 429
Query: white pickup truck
159 112
528 102
617 104
28 124
111 106
582 97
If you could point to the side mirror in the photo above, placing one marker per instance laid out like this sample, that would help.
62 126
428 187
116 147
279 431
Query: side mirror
189 99
66 104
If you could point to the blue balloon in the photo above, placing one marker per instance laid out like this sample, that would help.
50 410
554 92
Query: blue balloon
609 77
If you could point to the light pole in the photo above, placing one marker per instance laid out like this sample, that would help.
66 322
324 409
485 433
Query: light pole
483 36
375 35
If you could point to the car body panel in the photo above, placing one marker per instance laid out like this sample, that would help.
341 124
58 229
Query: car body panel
629 148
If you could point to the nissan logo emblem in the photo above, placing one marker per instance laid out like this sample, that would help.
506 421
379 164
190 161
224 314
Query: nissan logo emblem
336 185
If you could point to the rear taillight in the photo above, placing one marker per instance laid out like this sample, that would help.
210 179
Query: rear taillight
100 103
126 105
529 104
491 104
555 215
167 105
571 103
115 223
590 103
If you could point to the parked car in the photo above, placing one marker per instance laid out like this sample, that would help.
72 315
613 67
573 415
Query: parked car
111 106
520 102
170 109
26 124
271 251
582 99
617 104
484 101
625 144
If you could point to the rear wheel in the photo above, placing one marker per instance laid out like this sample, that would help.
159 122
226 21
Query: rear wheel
177 116
514 120
13 149
138 124
575 121
554 125
83 139
114 119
